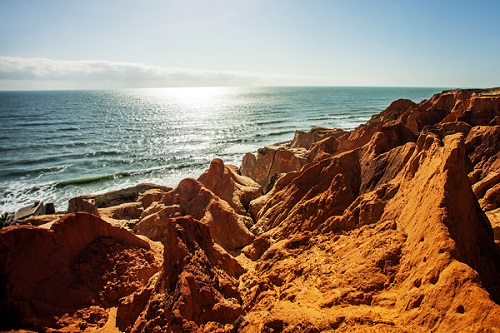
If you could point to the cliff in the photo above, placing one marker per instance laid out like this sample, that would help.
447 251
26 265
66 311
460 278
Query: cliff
391 227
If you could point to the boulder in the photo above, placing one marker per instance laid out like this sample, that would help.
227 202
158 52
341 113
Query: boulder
148 197
35 209
83 204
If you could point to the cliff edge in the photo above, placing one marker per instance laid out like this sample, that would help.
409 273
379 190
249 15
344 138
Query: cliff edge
391 227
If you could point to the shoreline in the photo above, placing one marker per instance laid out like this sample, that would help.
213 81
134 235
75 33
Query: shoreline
244 120
394 225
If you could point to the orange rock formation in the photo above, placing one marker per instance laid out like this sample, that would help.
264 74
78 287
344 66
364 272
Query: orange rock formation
390 227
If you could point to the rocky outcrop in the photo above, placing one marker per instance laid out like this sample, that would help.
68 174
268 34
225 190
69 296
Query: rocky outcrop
390 227
387 221
274 161
41 220
80 262
393 113
122 207
327 187
305 140
226 183
271 163
483 143
197 288
475 107
228 228
380 237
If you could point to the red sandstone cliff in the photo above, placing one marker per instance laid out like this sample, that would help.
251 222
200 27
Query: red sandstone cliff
386 228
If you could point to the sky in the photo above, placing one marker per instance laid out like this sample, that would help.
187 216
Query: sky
108 44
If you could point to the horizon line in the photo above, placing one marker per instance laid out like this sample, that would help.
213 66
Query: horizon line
250 86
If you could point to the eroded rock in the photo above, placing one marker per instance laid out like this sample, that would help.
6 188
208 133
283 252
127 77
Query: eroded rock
387 227
270 164
194 288
417 250
227 228
226 183
81 261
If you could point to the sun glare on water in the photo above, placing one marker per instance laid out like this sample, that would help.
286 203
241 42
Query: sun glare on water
204 101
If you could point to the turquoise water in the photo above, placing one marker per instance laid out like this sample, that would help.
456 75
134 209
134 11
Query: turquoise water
55 145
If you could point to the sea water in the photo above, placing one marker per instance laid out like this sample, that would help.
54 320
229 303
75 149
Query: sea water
55 145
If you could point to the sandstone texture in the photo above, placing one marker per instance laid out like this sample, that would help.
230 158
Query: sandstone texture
67 276
391 227
228 228
197 286
121 207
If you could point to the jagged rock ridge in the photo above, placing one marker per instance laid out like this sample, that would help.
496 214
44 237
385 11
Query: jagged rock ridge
389 227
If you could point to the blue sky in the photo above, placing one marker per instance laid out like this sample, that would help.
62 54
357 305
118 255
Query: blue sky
56 44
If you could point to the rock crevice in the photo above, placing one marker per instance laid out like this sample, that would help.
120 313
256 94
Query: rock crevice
391 227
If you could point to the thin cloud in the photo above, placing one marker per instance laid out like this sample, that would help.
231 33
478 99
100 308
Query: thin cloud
35 72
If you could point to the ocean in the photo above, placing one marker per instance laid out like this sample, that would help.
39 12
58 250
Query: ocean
55 145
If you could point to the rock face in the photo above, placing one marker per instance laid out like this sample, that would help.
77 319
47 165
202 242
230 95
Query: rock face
271 163
80 262
228 228
122 207
307 139
413 249
390 227
226 183
382 233
197 287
